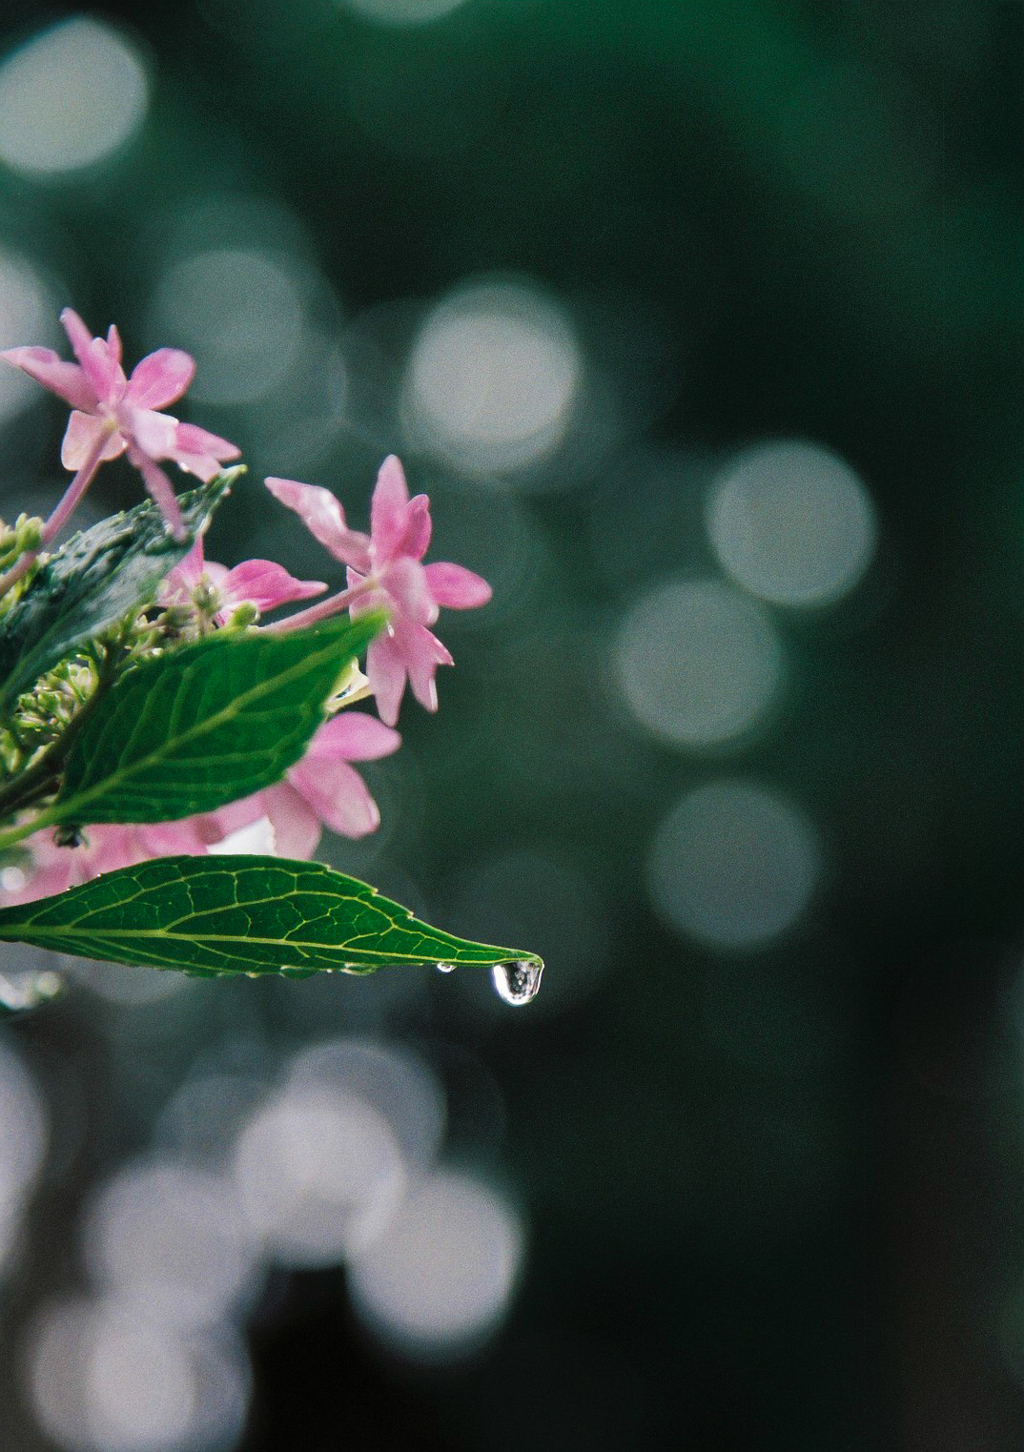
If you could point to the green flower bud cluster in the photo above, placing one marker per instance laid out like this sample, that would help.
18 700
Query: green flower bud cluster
23 537
25 534
43 714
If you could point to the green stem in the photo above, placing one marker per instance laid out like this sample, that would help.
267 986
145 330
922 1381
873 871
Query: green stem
62 513
28 788
17 834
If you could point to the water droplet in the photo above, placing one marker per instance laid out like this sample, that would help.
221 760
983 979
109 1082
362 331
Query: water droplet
517 982
446 967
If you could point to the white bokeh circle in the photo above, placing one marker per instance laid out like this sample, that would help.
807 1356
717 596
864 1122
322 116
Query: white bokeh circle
792 523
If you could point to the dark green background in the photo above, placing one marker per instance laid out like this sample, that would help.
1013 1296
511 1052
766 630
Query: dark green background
816 209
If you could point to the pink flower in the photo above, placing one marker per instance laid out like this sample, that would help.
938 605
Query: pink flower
254 582
113 414
321 788
385 570
54 869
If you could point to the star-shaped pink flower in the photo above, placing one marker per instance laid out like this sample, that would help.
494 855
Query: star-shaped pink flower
323 787
53 868
385 571
254 582
113 414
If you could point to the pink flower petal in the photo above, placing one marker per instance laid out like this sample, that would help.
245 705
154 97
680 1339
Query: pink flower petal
418 528
166 839
79 337
160 378
66 380
266 585
42 881
386 674
109 847
338 795
98 361
257 839
194 440
389 510
406 583
214 826
82 436
296 826
154 433
160 488
352 736
324 517
456 587
202 466
177 588
114 347
199 452
422 654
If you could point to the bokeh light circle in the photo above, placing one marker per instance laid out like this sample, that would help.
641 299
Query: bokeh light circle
792 523
22 1143
733 865
698 662
492 377
441 1276
70 97
106 1376
391 1078
26 315
240 312
174 1236
319 1170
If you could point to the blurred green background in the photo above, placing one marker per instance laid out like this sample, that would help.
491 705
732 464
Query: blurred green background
701 325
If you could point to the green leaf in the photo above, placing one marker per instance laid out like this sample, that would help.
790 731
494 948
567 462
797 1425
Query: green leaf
205 724
93 581
228 915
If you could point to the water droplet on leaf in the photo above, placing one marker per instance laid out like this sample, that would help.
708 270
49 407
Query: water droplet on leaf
517 982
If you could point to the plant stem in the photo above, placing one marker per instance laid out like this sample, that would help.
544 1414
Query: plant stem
324 609
60 515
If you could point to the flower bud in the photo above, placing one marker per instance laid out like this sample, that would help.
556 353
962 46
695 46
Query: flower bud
244 614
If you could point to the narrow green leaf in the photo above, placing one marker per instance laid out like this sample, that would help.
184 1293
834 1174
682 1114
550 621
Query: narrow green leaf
98 577
217 915
205 724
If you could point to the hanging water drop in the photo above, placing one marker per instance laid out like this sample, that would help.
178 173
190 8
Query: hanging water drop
517 982
446 967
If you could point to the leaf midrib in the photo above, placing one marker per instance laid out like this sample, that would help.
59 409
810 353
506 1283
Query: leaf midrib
301 943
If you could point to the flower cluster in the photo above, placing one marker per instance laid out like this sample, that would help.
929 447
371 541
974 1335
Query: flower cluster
113 415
